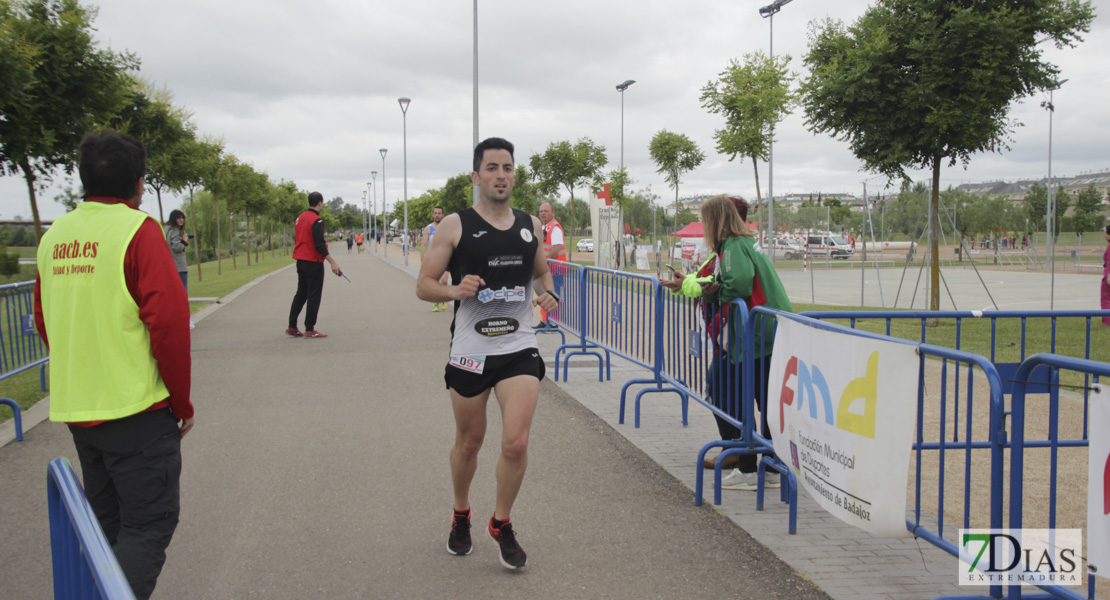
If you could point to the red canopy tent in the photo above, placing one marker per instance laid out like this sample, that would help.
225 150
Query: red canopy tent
693 230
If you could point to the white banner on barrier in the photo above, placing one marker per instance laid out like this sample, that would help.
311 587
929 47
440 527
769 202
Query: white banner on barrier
841 410
1098 481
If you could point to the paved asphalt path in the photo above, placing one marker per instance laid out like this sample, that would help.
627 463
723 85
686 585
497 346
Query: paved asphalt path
318 469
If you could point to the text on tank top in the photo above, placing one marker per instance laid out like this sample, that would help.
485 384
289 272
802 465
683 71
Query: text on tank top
498 319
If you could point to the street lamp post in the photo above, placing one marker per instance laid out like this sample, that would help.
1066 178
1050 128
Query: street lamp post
404 102
768 12
374 208
1050 243
367 231
385 246
621 87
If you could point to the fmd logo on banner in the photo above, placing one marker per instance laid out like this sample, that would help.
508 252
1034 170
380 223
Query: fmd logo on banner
1041 557
841 410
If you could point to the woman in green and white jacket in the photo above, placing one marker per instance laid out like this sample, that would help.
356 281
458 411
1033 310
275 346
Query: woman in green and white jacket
742 272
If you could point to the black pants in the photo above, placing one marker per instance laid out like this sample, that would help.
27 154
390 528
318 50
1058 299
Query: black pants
310 286
725 385
132 473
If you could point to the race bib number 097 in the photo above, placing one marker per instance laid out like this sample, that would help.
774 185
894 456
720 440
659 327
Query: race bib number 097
474 364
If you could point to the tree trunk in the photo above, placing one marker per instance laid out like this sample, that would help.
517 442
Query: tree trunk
934 242
196 240
161 218
247 220
231 239
759 201
219 259
272 253
29 177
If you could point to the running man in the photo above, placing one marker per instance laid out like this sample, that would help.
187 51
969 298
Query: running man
493 252
554 248
358 241
425 242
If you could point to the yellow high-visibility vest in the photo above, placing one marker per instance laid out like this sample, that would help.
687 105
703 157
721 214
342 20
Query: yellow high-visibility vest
101 364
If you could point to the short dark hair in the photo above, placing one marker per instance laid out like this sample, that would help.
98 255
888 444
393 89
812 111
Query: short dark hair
176 214
110 164
439 207
1108 229
315 198
493 143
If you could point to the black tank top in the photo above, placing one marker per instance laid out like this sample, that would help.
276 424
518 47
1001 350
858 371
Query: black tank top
498 320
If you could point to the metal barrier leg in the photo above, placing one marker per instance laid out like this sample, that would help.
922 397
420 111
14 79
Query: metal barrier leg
640 394
699 478
17 417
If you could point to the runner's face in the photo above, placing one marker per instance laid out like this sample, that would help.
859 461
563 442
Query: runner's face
495 177
437 214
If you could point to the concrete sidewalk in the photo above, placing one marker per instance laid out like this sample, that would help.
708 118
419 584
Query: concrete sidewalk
318 468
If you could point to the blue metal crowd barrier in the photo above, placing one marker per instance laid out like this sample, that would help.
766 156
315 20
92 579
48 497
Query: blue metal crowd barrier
21 349
83 561
572 317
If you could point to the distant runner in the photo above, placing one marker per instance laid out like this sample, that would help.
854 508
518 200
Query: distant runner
425 242
359 240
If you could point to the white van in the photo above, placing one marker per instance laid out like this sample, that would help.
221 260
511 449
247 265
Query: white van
827 245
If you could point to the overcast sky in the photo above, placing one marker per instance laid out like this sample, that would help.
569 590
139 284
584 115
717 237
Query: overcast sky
307 91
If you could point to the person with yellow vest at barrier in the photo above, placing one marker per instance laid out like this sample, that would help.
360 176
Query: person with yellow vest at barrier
112 309
554 248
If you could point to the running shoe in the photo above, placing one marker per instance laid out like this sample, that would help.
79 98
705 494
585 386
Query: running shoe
293 331
512 555
749 482
458 543
435 307
312 333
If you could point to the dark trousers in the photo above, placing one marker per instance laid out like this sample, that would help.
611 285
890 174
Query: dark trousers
310 286
725 385
132 473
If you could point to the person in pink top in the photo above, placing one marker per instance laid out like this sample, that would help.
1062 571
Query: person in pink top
1106 275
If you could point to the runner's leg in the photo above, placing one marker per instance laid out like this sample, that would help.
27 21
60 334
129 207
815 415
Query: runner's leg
470 430
517 397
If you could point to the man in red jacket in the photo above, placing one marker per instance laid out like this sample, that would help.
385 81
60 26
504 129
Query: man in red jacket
311 251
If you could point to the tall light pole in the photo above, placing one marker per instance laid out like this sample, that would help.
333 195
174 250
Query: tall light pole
474 187
367 231
404 102
621 87
374 205
768 12
385 246
1050 244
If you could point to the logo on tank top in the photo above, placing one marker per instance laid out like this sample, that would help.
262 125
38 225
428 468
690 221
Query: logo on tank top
497 326
516 294
510 260
526 235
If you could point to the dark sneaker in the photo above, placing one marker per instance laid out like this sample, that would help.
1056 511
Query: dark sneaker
312 333
512 555
293 331
458 543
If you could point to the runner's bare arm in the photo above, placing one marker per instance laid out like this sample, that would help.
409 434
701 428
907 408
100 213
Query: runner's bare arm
428 286
541 275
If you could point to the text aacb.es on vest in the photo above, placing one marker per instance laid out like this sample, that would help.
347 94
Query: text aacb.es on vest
75 249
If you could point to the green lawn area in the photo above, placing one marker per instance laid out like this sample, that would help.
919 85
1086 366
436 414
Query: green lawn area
24 389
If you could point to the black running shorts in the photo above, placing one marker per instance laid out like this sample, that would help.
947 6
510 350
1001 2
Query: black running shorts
464 377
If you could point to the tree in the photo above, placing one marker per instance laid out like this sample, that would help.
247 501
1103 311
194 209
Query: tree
525 195
1036 205
752 96
569 166
1061 200
164 130
674 154
913 83
1087 205
68 87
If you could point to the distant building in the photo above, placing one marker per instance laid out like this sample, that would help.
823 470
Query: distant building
1016 190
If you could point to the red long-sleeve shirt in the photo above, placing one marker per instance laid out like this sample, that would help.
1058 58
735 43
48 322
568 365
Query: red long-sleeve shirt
154 283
